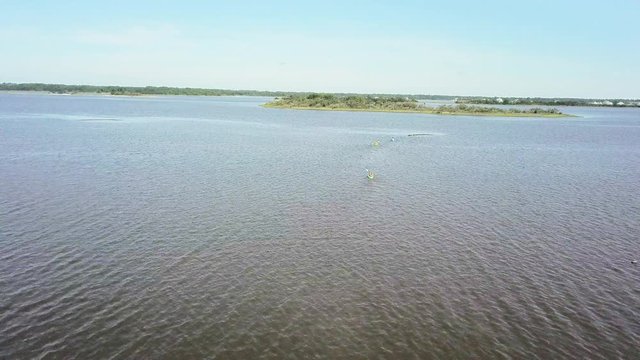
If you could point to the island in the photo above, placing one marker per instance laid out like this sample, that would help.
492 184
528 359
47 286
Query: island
398 104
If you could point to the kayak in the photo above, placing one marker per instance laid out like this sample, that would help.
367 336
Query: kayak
370 175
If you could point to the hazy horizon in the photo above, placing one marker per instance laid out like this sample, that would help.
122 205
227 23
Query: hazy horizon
572 49
303 91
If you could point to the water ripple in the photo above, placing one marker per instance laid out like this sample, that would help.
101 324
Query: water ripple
232 231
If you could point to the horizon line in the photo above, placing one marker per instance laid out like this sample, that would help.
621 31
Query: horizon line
294 91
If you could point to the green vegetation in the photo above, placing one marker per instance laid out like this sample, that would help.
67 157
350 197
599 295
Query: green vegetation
331 101
132 90
549 101
396 104
164 90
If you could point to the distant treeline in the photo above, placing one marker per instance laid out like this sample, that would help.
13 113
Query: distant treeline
133 90
164 90
548 101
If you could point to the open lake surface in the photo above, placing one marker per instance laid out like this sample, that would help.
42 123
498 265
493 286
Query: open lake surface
203 227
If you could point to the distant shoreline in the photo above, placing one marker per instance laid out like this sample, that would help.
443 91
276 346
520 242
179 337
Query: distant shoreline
144 96
617 103
48 93
189 91
132 90
41 92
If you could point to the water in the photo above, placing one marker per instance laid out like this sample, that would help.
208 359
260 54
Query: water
180 227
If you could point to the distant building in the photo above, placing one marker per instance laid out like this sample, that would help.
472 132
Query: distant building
607 102
620 103
499 100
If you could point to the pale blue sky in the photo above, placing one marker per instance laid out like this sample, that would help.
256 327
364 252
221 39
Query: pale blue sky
501 48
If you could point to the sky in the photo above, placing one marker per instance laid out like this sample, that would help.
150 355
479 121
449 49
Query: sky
542 48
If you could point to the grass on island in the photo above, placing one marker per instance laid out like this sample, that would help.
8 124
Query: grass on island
398 104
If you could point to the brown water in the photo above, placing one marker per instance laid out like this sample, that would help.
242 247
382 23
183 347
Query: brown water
214 228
